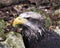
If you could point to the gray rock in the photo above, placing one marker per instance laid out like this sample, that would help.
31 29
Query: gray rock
13 40
9 2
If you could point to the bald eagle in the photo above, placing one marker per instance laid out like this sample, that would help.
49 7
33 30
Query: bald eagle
34 32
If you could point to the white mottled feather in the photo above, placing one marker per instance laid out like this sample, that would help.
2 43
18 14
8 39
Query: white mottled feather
31 14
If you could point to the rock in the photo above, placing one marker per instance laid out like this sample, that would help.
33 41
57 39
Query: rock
45 2
9 2
13 40
37 2
6 2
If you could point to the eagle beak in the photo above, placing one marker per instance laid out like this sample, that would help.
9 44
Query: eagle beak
19 20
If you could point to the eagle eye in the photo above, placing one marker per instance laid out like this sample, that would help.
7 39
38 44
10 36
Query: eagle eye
28 18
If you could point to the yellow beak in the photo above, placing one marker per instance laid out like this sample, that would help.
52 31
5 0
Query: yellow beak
19 20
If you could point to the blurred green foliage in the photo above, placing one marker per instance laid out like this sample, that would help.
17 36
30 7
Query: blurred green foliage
2 27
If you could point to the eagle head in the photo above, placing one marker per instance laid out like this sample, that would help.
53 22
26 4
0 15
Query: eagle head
28 18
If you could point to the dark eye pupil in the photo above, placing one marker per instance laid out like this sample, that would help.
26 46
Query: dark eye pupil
28 18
